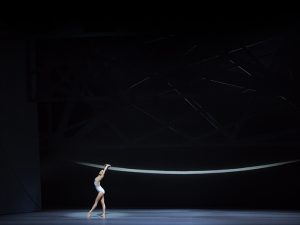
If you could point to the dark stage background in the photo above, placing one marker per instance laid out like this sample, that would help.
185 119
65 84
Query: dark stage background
175 101
19 139
212 95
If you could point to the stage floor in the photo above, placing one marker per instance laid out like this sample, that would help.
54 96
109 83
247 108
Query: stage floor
149 217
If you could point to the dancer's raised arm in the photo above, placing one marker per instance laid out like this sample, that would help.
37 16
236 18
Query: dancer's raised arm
105 168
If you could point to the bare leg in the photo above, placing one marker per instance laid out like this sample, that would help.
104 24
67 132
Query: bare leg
103 207
99 196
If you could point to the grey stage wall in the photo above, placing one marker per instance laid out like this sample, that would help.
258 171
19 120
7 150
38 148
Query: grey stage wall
19 156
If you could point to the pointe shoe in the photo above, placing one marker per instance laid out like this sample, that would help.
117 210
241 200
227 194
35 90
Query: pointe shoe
88 215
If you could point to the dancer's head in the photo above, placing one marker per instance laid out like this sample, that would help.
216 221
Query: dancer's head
101 172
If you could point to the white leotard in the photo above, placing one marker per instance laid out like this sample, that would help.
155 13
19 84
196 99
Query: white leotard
98 186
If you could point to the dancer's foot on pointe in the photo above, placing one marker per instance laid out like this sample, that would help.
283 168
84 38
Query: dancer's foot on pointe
89 215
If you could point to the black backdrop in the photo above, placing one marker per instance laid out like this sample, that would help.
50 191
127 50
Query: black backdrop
19 139
173 101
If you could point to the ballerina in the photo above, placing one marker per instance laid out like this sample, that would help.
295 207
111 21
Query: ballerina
101 192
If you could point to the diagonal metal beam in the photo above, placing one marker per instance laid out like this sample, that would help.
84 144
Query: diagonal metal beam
165 124
207 116
139 82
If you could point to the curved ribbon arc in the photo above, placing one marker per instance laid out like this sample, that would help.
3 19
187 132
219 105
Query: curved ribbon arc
192 172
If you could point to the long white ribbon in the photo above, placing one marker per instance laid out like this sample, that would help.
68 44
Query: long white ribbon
191 172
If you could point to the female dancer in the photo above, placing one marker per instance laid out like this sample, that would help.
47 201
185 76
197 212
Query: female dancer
101 192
